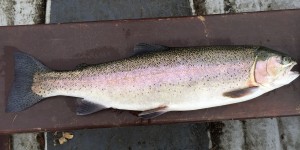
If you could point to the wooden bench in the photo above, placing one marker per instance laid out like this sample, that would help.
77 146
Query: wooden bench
63 46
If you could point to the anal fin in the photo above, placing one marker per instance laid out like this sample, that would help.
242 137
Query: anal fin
85 107
152 113
241 92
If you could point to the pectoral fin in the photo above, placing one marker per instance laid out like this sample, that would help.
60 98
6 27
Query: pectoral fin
241 92
142 48
152 113
85 107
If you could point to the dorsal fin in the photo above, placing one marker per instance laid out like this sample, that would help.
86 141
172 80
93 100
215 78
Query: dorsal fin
143 48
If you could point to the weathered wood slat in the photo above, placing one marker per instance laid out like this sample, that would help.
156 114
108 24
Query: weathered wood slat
5 142
64 46
21 12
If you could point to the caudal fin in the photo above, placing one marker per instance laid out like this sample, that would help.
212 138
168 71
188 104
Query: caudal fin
21 95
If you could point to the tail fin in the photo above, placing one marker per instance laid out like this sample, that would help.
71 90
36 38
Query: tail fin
21 95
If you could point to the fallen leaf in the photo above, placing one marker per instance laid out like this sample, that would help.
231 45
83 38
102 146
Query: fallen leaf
68 135
62 140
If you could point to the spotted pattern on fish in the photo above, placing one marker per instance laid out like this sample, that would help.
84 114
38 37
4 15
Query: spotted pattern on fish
157 79
153 79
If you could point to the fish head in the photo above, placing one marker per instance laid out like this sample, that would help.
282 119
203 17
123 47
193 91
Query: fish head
274 69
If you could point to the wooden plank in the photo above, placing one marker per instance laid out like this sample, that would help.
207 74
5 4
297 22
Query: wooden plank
73 11
5 142
63 46
21 12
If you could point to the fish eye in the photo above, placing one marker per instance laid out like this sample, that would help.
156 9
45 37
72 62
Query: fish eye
286 60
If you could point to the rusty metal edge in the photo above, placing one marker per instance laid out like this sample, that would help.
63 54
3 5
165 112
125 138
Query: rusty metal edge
145 123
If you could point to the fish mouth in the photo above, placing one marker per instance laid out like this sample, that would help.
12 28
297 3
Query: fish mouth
290 73
287 77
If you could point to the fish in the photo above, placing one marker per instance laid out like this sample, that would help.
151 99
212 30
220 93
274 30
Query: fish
156 79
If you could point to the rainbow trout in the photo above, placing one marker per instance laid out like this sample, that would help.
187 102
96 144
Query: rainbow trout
157 79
